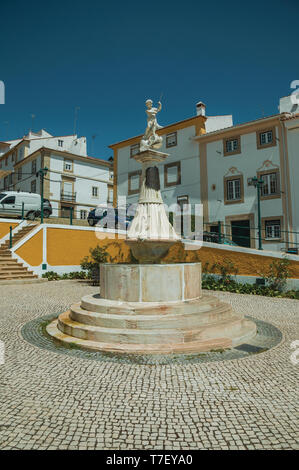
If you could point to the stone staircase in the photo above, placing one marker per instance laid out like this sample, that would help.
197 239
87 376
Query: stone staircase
10 269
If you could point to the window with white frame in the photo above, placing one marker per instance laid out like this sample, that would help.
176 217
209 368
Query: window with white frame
134 149
68 165
266 137
270 184
231 145
95 191
60 143
171 139
273 229
33 167
21 153
33 186
83 214
233 189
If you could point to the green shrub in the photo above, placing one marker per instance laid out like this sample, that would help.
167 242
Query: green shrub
277 274
52 276
91 263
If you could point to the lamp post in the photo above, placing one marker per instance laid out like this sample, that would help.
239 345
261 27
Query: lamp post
42 172
257 183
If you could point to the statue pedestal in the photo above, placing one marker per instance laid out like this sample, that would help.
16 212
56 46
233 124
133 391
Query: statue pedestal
147 309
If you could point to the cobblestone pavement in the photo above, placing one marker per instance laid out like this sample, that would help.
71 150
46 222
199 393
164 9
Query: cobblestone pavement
49 400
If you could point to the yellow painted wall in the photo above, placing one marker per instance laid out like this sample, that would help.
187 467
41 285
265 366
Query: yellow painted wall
67 247
246 263
32 250
4 227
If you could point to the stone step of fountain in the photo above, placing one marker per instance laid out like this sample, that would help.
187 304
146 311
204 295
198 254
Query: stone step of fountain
227 328
179 318
94 303
165 348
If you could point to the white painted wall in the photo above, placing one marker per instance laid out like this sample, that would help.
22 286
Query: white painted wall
186 152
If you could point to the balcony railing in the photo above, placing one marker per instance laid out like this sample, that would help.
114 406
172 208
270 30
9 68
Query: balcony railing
68 197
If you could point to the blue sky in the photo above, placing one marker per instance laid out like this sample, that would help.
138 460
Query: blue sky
108 57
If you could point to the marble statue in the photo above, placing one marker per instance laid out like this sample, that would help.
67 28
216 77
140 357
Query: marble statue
151 140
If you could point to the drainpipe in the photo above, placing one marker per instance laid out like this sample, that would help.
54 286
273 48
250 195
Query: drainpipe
286 194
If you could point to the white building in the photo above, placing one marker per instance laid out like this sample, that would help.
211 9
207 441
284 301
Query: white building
212 161
73 178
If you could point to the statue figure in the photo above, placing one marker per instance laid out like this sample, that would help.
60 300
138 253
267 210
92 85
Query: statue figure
151 140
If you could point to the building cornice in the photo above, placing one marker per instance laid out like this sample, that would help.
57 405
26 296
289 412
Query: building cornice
193 121
69 155
242 128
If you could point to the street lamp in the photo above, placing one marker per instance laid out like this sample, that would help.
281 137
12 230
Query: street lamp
42 173
258 183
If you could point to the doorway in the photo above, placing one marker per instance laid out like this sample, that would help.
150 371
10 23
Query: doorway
240 230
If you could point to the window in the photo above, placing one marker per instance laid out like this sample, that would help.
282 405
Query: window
273 229
134 149
266 138
134 181
110 195
19 174
1 164
6 161
21 153
6 182
231 146
33 167
171 140
233 189
9 200
60 143
68 165
33 186
15 157
95 191
10 178
172 174
83 215
270 188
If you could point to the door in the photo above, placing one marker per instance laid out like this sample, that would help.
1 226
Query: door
241 232
182 201
8 206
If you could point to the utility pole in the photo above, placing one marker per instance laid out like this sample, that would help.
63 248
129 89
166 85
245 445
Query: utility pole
42 173
32 121
75 119
258 183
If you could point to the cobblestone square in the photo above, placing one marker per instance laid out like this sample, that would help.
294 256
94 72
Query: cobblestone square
50 400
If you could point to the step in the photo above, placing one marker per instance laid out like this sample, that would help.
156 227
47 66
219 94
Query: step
227 328
13 270
126 348
178 319
94 303
21 276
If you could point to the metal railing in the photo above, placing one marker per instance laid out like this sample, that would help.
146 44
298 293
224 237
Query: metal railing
68 197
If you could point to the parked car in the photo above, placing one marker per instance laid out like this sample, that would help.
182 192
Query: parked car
47 209
113 218
11 203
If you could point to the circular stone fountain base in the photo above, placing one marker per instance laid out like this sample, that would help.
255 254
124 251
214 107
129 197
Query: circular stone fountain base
151 309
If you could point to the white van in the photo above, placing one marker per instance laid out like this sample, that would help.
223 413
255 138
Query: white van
11 204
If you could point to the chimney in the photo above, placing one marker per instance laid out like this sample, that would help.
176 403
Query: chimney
200 109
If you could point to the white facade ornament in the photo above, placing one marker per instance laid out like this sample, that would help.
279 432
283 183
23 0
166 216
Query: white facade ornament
151 140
